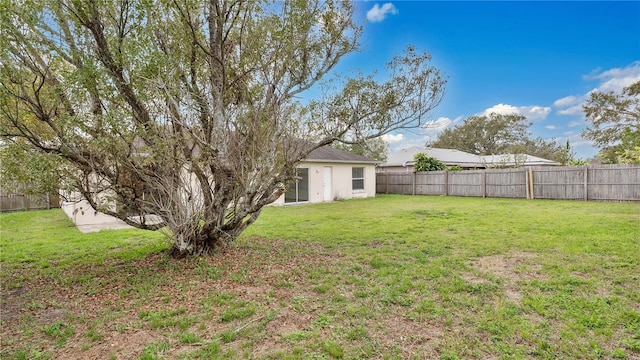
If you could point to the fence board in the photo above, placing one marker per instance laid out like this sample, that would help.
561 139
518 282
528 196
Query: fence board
465 183
430 183
566 183
16 200
614 183
507 183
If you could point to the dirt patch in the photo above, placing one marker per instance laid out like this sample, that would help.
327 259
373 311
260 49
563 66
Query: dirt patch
127 345
511 268
13 303
288 321
48 316
417 339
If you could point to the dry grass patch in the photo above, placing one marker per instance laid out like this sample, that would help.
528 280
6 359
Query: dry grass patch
511 269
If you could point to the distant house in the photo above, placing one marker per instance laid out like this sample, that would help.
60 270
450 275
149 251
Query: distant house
329 174
402 161
515 160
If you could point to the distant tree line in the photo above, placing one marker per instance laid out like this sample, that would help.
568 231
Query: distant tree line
614 128
495 134
615 124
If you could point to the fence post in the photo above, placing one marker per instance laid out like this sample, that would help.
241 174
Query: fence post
526 184
446 183
413 184
586 182
387 184
531 182
484 183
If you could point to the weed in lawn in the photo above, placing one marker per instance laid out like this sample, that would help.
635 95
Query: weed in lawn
36 305
357 333
619 354
228 336
154 351
241 277
186 321
427 308
59 330
24 354
217 299
208 272
322 288
285 284
393 296
323 321
190 338
166 318
210 350
632 343
238 310
295 337
27 326
94 335
126 326
333 349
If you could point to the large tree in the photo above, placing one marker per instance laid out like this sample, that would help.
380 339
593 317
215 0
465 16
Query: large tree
543 148
376 148
495 134
486 134
615 123
188 109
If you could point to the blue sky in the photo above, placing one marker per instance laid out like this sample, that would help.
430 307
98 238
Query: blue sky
540 59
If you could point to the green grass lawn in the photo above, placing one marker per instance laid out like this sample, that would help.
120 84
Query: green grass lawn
391 277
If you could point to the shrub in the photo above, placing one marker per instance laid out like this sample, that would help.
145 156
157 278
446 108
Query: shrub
423 162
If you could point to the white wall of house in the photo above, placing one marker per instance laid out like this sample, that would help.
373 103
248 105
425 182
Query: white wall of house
327 181
341 185
85 218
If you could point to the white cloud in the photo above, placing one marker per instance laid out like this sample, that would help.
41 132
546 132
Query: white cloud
535 112
551 127
426 134
617 78
574 110
580 142
575 123
610 80
531 112
391 139
379 13
502 109
440 124
570 105
567 101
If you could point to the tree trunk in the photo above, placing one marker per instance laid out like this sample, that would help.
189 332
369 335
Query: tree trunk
203 242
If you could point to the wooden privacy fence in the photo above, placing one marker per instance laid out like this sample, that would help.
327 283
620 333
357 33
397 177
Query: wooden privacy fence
16 201
602 183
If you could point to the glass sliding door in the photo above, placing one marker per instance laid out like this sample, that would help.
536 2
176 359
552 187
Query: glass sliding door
299 190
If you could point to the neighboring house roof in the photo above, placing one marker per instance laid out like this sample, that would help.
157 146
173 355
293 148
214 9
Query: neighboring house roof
517 160
322 154
449 157
329 154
